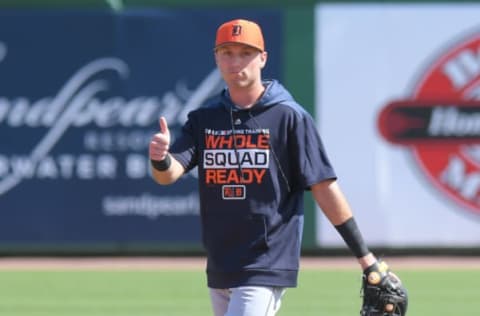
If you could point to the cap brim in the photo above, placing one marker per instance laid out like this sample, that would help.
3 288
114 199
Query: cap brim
237 43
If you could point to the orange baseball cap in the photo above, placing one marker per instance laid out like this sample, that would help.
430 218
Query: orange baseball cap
241 32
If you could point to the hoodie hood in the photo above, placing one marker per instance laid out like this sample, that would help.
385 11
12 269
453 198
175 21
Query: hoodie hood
274 94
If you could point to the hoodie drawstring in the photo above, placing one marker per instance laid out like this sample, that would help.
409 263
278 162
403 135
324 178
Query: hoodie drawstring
235 149
275 157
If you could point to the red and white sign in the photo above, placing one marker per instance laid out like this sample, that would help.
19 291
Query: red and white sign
399 111
440 123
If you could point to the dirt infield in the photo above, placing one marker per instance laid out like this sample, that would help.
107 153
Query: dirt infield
192 263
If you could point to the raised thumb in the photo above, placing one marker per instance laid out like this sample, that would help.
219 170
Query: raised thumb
164 126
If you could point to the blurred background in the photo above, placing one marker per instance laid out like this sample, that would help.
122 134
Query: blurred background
393 87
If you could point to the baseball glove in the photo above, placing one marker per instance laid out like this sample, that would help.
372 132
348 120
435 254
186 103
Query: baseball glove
383 292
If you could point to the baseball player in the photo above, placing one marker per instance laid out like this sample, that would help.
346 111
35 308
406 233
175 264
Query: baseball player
257 151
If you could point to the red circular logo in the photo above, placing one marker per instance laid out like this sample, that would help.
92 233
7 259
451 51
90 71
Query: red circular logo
441 123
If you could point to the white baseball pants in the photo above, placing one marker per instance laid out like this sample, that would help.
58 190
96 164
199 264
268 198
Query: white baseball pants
246 301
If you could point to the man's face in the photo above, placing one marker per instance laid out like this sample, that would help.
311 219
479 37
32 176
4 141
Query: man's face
240 65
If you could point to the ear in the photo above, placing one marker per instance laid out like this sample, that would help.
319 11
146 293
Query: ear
263 59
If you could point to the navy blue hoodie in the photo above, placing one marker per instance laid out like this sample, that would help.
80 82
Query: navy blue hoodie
254 166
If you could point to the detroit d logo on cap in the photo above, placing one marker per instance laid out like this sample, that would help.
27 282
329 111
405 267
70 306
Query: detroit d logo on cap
440 123
236 30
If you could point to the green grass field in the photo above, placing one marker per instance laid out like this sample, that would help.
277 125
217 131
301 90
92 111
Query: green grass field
171 293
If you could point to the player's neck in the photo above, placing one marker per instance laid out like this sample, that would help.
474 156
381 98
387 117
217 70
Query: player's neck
246 97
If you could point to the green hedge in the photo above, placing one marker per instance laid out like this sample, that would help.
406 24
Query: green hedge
218 3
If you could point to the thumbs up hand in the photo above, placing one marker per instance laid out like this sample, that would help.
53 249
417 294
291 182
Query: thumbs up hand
160 142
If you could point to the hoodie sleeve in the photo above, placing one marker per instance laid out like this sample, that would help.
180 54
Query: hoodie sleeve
184 148
311 161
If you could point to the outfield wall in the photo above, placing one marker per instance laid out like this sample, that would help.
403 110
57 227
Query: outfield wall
82 83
